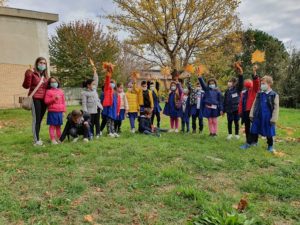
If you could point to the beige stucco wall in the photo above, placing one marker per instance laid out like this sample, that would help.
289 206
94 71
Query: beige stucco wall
23 38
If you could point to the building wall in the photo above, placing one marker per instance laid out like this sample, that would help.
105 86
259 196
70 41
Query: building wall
21 42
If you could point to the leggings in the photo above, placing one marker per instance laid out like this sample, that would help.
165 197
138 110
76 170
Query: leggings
174 122
52 130
38 111
110 126
157 114
213 125
103 123
194 119
95 122
118 124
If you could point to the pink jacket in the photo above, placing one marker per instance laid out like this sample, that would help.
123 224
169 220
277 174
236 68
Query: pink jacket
55 100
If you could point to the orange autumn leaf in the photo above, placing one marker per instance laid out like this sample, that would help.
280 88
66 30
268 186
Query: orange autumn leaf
189 68
258 56
165 71
88 218
201 69
135 74
242 205
107 66
279 154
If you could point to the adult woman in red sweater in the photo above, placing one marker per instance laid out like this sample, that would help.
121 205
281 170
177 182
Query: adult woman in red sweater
32 79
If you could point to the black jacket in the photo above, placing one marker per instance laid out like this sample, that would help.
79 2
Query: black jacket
70 124
144 124
232 96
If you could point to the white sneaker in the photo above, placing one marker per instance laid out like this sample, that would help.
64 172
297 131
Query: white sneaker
229 137
85 140
237 137
54 142
116 135
171 130
75 140
38 143
176 131
133 130
100 134
111 135
97 136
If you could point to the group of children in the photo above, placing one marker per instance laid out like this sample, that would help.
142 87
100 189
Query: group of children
253 101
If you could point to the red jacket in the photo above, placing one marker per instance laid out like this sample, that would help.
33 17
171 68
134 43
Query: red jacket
31 80
55 100
109 95
251 95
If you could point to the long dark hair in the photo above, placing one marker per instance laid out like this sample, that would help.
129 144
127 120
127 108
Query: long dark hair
45 72
87 82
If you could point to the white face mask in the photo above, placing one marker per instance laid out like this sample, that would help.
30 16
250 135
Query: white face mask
152 88
144 88
173 88
212 86
264 87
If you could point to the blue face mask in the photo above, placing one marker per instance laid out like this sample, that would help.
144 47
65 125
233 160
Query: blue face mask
112 85
212 86
41 67
54 85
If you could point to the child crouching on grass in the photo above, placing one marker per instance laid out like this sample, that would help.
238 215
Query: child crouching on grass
55 101
145 124
264 112
78 123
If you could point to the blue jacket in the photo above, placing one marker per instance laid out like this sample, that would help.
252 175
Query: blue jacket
212 96
232 97
270 101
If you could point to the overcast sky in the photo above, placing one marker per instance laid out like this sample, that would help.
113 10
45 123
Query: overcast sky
281 18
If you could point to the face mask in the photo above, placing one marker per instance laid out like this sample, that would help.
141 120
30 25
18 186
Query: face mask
54 85
94 87
229 85
41 67
112 85
212 86
152 88
264 87
144 88
173 88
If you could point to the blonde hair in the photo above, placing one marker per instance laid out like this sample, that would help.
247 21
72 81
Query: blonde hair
268 79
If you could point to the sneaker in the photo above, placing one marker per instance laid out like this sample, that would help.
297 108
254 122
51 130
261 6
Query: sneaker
75 140
54 142
38 143
237 137
97 136
245 146
229 137
254 145
270 149
176 131
85 140
116 135
171 130
133 130
100 134
111 135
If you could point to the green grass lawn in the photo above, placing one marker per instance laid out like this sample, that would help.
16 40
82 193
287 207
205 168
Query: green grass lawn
139 179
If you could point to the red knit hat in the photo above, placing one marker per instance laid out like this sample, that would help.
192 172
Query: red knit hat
248 84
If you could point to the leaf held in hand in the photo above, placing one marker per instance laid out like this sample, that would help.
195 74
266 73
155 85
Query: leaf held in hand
258 56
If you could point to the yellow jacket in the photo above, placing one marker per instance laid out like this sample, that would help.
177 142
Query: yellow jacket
139 92
133 102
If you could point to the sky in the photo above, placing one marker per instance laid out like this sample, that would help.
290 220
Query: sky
280 18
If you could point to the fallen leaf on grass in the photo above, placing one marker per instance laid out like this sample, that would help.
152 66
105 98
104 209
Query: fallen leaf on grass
242 205
88 218
279 154
123 210
214 159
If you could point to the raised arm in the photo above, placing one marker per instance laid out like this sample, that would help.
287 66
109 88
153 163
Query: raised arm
202 83
256 80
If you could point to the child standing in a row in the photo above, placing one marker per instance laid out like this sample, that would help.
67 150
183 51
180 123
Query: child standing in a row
91 103
111 103
123 108
174 102
133 105
213 104
154 87
186 109
55 101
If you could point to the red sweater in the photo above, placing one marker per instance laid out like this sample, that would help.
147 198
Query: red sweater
55 100
109 95
31 80
251 95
